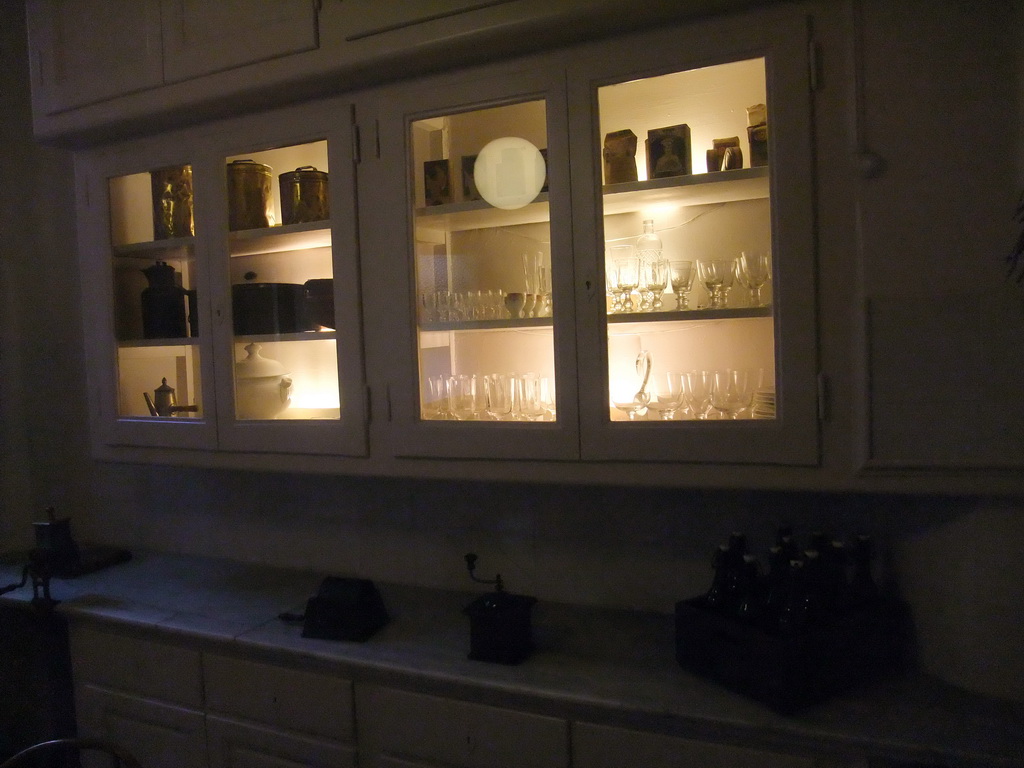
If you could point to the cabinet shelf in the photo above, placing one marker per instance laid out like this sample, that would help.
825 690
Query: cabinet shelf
691 314
287 237
265 338
696 189
487 325
125 344
479 214
173 248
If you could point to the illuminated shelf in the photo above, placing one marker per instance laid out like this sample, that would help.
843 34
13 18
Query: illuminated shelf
289 237
685 315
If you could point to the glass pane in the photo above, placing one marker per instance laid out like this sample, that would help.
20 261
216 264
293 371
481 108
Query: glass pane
151 232
688 262
483 265
282 284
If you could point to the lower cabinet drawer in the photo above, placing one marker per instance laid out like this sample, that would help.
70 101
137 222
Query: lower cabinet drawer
312 703
134 665
399 729
601 746
158 735
233 744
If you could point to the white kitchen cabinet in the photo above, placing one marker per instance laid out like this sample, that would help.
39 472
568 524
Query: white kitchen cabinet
463 274
315 704
400 728
603 746
235 744
145 695
201 37
96 50
191 334
159 735
92 50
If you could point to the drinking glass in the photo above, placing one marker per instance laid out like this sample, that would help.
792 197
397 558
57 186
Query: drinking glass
499 394
528 405
466 397
655 281
733 391
698 393
629 280
754 269
717 276
681 275
435 407
611 284
514 303
669 395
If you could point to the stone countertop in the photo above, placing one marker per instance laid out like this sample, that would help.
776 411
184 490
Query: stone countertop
605 665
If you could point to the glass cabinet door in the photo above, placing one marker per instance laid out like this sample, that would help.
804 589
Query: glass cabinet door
290 291
705 253
487 269
142 293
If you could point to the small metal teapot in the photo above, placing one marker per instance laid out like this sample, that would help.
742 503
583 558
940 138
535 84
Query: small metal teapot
164 403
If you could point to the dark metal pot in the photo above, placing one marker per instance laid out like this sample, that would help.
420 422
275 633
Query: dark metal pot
259 308
320 303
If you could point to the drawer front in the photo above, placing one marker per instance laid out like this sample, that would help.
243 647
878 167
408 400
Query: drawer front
157 735
292 699
601 746
414 726
152 669
233 744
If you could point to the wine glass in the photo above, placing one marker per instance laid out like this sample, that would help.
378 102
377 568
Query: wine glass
681 274
698 393
628 271
611 283
655 281
669 395
733 391
717 276
754 269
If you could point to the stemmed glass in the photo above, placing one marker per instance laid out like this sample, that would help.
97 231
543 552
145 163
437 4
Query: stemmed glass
733 391
629 280
655 281
717 276
682 273
669 395
611 280
698 392
754 272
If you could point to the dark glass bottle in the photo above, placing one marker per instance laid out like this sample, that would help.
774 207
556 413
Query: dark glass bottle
715 597
750 606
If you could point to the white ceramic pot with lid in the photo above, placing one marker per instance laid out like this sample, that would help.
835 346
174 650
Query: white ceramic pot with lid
262 386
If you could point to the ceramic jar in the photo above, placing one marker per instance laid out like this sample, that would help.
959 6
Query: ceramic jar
262 386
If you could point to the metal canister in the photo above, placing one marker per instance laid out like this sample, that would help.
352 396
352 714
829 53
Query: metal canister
249 197
172 202
305 196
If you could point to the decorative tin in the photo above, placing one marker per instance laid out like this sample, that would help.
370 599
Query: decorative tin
172 202
249 197
305 196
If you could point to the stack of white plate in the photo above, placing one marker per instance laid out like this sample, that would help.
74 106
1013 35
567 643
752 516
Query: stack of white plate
763 405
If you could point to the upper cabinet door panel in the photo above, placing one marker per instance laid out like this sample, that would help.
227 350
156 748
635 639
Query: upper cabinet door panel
91 50
201 37
366 18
